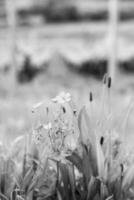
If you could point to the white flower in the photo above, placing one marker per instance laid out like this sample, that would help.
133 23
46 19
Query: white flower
37 137
70 142
37 105
47 126
40 134
62 98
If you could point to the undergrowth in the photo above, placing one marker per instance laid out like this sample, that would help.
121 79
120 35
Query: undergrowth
71 154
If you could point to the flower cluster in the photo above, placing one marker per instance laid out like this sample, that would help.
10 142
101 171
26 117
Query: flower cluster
59 134
40 133
62 98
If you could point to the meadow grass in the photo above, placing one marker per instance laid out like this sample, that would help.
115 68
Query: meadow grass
72 153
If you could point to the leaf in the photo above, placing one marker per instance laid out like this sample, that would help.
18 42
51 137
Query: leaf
33 183
43 173
59 195
19 197
83 134
86 131
116 189
89 126
7 169
88 140
88 162
28 179
35 158
72 180
100 161
3 197
103 191
76 160
87 165
110 198
128 179
93 188
64 181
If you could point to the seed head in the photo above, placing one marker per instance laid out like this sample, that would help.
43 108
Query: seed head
64 110
47 110
105 79
122 167
101 140
109 82
90 96
62 98
74 111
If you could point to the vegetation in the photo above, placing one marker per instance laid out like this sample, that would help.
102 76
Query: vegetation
72 153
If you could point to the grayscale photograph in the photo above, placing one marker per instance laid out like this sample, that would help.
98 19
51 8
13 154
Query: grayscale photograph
66 99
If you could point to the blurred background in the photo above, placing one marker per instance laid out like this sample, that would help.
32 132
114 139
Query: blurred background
48 46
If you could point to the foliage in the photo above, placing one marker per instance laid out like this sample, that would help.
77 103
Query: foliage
70 155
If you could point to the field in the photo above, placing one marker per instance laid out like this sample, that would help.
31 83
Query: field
73 42
66 124
16 103
30 172
79 154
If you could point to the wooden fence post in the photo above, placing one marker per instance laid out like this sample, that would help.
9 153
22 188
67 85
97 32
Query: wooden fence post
12 23
113 37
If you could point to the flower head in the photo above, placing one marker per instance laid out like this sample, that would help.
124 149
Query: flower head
62 98
70 142
40 133
37 106
37 135
47 126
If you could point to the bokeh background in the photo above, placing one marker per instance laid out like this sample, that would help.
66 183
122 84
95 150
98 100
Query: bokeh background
48 46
